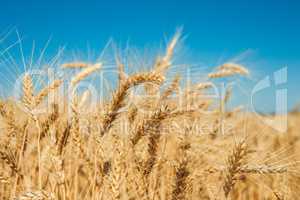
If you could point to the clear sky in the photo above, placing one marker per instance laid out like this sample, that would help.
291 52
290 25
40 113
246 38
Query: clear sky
269 28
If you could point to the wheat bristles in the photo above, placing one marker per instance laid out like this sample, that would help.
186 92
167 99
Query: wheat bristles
162 64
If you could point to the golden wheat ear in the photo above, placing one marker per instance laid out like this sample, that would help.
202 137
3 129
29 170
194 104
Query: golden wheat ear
162 64
75 65
28 91
173 87
45 91
84 73
234 67
39 194
119 96
234 164
229 69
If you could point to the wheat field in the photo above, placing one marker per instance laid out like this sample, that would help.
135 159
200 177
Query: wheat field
164 142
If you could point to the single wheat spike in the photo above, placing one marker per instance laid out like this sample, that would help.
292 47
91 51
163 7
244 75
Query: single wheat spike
234 67
10 160
179 188
202 86
181 176
173 87
2 109
149 125
227 95
116 175
75 65
152 149
154 136
28 91
134 178
45 91
75 132
75 127
119 96
121 72
51 119
63 140
234 164
163 63
9 117
57 164
263 169
193 90
36 195
222 73
132 112
84 73
179 113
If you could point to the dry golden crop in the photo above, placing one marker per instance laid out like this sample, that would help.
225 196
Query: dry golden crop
161 144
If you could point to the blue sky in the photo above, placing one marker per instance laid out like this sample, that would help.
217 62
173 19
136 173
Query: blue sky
270 29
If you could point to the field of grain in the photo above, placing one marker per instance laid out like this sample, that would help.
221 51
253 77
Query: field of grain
164 142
